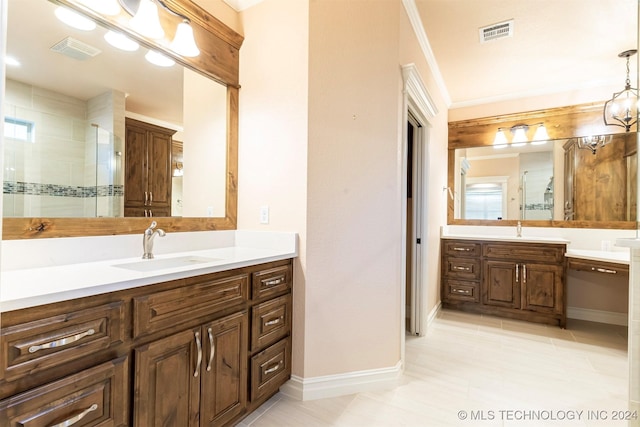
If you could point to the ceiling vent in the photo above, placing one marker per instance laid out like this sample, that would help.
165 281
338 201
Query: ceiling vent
496 31
75 49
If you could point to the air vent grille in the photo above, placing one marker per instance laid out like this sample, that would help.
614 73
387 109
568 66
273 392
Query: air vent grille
496 31
75 49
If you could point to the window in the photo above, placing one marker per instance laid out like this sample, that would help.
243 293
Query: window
18 129
485 198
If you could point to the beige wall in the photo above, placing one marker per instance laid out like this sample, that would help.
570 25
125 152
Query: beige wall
320 137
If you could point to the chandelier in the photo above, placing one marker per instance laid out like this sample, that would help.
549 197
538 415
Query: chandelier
622 109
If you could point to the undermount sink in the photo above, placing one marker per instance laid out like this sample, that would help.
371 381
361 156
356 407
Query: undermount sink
163 263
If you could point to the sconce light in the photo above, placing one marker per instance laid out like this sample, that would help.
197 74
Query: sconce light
178 170
622 109
594 142
519 132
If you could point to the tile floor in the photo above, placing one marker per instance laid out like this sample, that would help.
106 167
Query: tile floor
474 370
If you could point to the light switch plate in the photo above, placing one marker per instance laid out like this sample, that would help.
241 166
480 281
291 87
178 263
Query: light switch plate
264 214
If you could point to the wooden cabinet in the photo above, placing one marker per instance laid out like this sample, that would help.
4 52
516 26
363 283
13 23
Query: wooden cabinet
148 173
518 280
196 377
200 351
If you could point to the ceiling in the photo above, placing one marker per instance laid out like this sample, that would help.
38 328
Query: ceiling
557 46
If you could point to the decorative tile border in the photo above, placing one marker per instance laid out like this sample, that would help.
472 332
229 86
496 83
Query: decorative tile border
36 189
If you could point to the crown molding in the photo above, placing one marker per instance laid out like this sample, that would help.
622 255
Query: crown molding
414 17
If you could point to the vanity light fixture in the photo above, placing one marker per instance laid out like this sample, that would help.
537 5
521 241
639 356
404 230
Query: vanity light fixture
74 19
519 132
622 109
178 170
594 142
146 22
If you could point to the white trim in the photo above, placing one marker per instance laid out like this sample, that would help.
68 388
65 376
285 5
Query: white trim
151 120
342 384
600 316
433 313
414 17
417 92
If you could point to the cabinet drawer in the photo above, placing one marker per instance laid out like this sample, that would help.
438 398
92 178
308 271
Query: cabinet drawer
199 297
601 267
461 248
458 290
463 268
270 369
54 341
525 253
96 396
269 282
270 321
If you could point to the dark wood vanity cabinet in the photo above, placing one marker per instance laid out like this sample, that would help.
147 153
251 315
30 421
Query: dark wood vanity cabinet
148 172
518 280
200 351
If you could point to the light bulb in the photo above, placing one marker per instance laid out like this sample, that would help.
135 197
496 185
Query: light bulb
146 21
159 59
519 136
183 43
120 41
500 141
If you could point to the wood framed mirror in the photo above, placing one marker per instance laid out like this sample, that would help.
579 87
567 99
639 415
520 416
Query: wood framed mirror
218 61
577 188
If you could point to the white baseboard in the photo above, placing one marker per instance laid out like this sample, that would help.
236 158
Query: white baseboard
599 316
433 313
342 384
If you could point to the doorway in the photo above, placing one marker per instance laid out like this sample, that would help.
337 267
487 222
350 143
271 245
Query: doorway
414 215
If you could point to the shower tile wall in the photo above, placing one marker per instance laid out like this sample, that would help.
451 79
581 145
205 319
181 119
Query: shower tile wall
48 177
539 173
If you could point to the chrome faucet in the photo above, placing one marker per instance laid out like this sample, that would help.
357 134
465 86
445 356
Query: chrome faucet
147 240
519 229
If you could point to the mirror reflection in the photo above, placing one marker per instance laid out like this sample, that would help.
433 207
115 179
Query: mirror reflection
69 149
566 179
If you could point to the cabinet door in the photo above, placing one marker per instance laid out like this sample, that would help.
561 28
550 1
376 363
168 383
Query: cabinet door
159 181
224 372
542 288
501 285
167 381
135 166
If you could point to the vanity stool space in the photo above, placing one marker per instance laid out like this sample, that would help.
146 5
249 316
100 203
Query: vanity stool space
520 280
204 350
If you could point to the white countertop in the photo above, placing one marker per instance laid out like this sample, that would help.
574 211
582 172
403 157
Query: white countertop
28 287
619 257
498 238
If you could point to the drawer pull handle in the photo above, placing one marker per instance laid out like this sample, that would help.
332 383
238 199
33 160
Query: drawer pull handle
274 282
199 345
274 321
273 369
517 273
455 267
212 349
461 291
73 420
604 270
61 342
462 249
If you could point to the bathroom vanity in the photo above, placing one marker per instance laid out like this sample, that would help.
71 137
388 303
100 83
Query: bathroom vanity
146 344
513 278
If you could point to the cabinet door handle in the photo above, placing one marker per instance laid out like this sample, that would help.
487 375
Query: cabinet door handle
524 273
274 282
604 270
61 342
146 198
462 249
273 369
274 321
71 421
150 198
150 213
517 273
199 345
212 349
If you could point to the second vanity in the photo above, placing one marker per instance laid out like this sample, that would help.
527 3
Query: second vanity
198 338
515 277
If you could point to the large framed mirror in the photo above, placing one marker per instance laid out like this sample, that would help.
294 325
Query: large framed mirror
70 108
563 181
